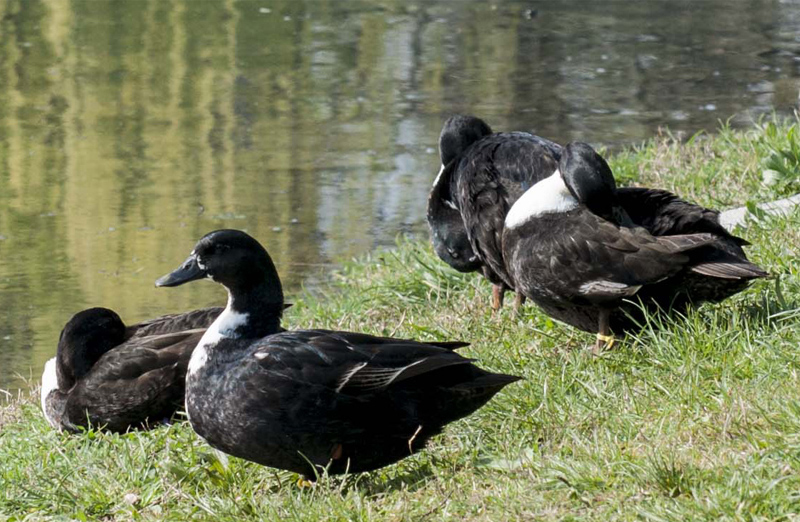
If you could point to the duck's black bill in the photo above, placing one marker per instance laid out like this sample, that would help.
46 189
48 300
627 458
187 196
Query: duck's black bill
188 271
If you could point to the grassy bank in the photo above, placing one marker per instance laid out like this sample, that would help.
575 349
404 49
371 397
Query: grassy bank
699 418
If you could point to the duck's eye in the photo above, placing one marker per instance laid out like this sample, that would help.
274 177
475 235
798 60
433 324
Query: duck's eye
213 250
218 249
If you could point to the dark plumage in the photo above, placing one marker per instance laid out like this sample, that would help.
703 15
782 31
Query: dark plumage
116 378
200 318
570 244
303 400
482 174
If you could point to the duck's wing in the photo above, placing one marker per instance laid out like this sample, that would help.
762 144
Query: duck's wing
352 363
663 213
598 261
174 323
138 356
140 379
492 174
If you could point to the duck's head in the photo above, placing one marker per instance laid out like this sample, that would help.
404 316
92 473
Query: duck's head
458 133
235 260
450 239
85 338
451 244
588 178
449 236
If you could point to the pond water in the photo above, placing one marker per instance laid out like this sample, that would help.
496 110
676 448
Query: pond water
130 129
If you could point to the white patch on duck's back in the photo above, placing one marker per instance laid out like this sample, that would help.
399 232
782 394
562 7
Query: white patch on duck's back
49 383
224 326
546 197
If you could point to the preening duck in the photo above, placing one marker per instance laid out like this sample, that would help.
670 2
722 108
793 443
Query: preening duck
480 180
310 399
115 378
571 245
481 176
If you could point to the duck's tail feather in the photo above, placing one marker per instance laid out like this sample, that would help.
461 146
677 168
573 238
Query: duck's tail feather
493 381
450 345
686 242
733 269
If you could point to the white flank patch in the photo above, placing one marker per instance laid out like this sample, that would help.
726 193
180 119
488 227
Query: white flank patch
438 176
348 374
224 326
603 286
49 383
546 197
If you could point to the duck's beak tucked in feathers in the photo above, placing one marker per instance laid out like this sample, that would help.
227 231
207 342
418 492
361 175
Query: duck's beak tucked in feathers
190 270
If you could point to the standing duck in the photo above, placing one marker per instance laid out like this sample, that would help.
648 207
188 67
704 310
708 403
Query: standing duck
572 247
503 173
116 378
482 174
310 399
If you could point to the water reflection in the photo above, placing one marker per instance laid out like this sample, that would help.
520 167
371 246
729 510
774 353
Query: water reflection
129 129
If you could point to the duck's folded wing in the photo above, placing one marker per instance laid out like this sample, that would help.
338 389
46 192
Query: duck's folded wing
352 363
139 362
663 213
174 323
601 261
128 386
180 341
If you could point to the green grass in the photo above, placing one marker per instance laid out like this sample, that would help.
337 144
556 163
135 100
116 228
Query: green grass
696 419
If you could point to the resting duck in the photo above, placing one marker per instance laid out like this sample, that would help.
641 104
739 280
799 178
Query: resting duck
310 399
572 245
116 378
482 174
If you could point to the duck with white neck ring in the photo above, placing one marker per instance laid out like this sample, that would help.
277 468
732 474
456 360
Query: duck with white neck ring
308 400
571 245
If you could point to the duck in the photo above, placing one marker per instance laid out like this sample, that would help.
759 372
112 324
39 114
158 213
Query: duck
114 377
482 174
500 167
597 260
312 400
